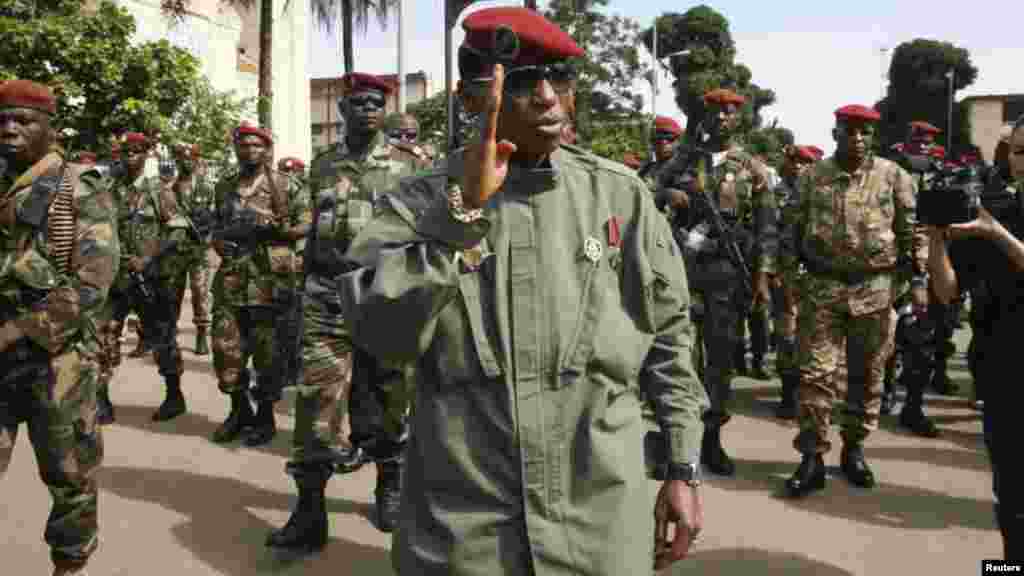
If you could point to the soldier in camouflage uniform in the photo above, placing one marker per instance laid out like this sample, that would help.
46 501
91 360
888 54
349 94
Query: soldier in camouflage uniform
259 217
739 184
149 221
59 253
347 182
784 296
194 194
854 232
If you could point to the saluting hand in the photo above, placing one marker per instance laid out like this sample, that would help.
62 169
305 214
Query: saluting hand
486 159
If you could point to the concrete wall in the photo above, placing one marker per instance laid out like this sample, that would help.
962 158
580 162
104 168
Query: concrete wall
226 41
986 122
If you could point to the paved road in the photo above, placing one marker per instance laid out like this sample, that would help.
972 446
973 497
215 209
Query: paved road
174 503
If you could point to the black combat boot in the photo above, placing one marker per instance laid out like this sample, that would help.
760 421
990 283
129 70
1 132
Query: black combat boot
786 409
263 426
238 418
174 401
809 477
912 416
856 469
104 408
202 343
712 455
388 494
306 529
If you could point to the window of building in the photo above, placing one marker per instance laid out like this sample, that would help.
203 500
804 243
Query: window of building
1013 109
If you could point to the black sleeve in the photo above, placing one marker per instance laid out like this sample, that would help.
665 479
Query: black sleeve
975 260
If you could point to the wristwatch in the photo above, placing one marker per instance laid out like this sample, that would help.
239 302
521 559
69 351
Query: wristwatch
457 209
685 472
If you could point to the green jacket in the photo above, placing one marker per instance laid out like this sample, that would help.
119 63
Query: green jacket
530 366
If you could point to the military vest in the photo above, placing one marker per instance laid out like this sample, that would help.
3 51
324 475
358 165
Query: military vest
345 189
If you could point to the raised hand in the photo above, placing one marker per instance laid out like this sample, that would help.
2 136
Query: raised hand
486 159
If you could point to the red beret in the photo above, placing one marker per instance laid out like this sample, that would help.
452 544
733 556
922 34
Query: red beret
539 40
27 94
804 154
924 127
136 138
858 112
937 152
246 129
354 81
723 96
290 163
898 147
666 124
818 152
87 158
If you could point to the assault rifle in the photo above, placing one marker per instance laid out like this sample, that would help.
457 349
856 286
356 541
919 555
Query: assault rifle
242 235
692 169
24 359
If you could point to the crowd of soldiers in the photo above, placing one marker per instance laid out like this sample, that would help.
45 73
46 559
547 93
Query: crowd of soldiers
487 324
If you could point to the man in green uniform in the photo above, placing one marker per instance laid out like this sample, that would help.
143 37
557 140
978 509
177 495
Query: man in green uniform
347 181
538 291
854 232
784 294
195 197
60 254
150 225
258 223
739 185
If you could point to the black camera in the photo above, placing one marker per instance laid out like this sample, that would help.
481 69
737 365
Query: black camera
952 195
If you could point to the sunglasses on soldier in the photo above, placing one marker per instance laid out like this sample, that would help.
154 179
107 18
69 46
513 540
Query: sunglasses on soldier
366 100
521 81
406 134
663 137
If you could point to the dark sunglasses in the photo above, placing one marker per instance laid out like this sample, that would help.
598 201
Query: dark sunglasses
366 101
663 137
522 81
405 134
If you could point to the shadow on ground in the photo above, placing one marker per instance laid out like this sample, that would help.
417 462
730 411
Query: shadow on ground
190 424
745 561
223 534
889 505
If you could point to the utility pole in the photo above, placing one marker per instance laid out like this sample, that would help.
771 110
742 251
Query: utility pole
654 70
401 55
949 113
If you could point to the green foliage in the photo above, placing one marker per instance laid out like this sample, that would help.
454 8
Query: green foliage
432 114
105 85
710 63
614 139
605 94
770 143
919 89
206 117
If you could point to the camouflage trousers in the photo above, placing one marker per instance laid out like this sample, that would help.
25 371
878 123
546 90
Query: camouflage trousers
241 334
196 276
59 407
158 326
826 332
379 404
720 334
784 317
326 370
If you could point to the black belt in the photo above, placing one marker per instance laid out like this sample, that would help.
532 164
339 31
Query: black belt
845 276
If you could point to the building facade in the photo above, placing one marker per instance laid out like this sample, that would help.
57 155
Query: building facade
326 124
988 115
225 39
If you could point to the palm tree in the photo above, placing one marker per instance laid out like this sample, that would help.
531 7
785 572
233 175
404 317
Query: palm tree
354 14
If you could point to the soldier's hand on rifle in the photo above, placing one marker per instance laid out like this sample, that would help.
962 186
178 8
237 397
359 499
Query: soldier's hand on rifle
136 264
486 159
762 289
678 198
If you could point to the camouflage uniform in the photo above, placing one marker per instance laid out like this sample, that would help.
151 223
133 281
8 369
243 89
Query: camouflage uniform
194 193
147 214
53 389
851 256
347 187
249 279
739 185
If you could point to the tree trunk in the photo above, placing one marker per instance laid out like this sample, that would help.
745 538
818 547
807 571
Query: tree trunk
346 28
266 71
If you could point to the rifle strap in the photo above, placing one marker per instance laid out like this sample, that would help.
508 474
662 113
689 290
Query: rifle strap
61 224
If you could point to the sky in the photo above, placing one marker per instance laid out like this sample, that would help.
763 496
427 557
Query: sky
816 56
